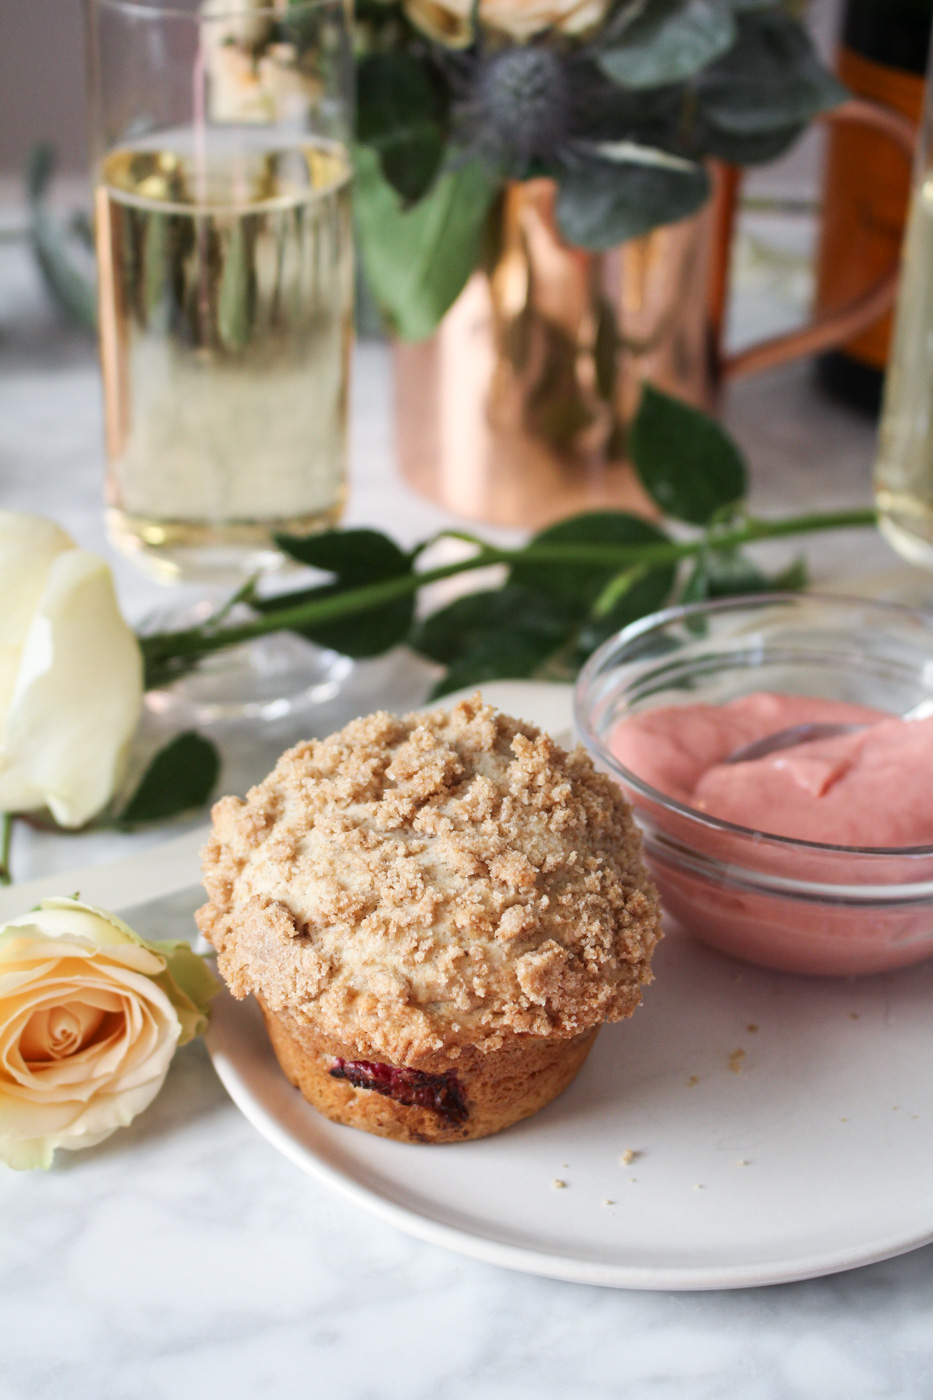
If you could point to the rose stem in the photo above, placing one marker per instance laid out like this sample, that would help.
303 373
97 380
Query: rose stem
162 646
6 833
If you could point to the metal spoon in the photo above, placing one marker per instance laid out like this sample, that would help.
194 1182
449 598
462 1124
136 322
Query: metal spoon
808 733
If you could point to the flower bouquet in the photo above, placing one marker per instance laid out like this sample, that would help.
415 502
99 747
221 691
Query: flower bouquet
619 104
533 206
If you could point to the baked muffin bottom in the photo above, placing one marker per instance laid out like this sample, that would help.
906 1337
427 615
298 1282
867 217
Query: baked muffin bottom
497 1088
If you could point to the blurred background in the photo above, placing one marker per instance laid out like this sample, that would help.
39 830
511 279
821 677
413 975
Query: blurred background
42 96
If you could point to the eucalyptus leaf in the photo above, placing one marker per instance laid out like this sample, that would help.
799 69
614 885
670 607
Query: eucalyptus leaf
180 777
740 149
668 41
685 460
619 190
573 585
418 259
771 79
399 114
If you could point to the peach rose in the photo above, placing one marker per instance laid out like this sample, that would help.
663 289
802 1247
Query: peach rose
90 1017
448 21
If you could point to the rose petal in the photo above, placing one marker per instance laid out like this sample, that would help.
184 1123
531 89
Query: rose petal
77 696
28 546
60 1031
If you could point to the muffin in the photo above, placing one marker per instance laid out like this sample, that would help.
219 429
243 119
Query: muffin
435 913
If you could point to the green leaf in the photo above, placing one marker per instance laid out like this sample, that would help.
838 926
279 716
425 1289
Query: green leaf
180 777
794 577
724 573
648 591
619 190
685 460
504 655
739 149
418 259
357 558
667 41
573 585
771 79
464 627
189 984
360 634
399 114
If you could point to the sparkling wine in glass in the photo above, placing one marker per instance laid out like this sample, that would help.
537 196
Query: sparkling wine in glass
224 248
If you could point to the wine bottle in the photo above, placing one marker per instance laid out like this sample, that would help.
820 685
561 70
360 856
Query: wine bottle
882 57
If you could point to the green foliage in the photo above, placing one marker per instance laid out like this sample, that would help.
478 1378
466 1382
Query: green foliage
665 41
400 114
494 634
685 460
357 559
573 585
579 587
623 122
618 190
644 591
418 259
724 574
61 252
355 556
754 99
180 777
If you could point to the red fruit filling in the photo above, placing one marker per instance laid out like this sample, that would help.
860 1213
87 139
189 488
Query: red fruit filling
440 1092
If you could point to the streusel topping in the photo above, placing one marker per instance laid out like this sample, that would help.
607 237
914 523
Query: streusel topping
430 881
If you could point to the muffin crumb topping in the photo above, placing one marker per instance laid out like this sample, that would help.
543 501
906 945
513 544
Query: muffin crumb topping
436 879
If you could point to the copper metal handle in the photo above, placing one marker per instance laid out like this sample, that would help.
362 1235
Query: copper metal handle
836 327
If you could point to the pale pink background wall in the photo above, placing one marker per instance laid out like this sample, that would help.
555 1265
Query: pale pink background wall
42 81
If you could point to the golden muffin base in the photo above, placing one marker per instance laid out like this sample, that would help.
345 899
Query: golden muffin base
499 1087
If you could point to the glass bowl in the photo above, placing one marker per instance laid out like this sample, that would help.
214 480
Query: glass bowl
799 906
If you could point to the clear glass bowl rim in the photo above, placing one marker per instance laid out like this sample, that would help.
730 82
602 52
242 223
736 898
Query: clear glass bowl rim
614 646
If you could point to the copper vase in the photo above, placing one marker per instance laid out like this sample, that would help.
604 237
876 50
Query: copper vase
516 410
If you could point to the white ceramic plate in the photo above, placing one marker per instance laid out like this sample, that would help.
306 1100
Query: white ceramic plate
782 1128
828 1102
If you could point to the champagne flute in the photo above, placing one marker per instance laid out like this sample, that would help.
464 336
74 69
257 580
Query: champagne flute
904 465
224 248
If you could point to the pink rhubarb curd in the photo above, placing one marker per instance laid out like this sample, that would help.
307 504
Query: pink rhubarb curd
870 789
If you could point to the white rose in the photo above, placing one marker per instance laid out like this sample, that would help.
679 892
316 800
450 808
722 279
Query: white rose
71 674
449 20
90 1017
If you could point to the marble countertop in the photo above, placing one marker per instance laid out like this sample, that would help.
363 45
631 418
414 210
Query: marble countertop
185 1256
